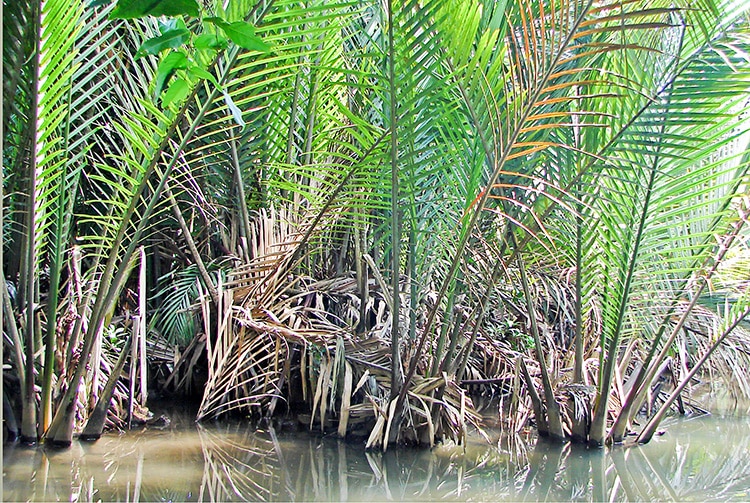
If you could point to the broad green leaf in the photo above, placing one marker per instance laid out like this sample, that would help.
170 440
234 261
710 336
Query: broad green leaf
130 9
201 73
172 62
177 92
242 34
210 41
170 40
172 23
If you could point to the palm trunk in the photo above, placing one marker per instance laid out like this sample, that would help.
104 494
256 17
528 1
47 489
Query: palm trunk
598 431
143 332
542 424
29 270
581 422
550 403
397 378
362 280
413 287
95 424
65 199
446 324
12 329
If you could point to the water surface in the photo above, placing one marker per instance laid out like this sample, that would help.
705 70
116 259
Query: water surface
706 458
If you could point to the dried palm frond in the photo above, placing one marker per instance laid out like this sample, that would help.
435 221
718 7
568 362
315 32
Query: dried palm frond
247 371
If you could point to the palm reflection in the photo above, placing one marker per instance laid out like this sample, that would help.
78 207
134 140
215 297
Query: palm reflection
706 458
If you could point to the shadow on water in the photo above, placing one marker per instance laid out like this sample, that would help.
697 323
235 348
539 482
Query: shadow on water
701 459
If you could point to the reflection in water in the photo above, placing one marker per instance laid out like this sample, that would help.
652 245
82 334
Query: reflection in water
706 458
701 459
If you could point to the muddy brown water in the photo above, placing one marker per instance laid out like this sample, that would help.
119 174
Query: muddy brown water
698 459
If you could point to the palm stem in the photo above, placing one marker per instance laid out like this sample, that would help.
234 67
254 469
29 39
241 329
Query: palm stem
191 245
242 203
62 219
396 375
29 416
597 433
553 409
12 328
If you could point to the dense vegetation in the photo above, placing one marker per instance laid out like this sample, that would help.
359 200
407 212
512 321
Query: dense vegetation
360 209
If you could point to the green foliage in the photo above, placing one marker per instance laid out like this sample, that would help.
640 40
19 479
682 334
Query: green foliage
130 9
172 62
177 296
241 33
183 59
178 91
171 39
210 41
443 131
